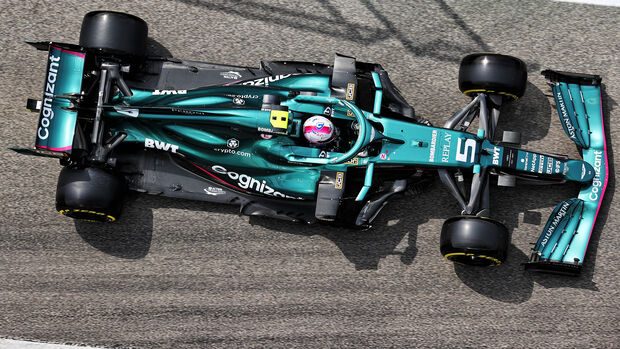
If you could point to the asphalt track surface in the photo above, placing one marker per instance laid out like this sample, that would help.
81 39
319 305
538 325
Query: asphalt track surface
175 273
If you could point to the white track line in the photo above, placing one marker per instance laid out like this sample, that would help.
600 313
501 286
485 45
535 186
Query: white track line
594 2
15 344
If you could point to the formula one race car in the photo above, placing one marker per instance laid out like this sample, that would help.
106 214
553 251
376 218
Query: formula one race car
304 141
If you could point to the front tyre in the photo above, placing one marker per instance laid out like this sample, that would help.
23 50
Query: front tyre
493 74
91 194
474 240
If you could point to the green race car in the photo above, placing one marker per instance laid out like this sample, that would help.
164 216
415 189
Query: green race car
304 142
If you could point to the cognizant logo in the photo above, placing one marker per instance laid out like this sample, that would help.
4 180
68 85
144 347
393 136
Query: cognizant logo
596 182
246 182
47 114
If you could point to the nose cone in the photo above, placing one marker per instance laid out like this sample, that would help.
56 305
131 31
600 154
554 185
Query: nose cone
579 171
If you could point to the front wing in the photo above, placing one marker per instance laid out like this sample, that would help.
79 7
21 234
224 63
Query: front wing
562 246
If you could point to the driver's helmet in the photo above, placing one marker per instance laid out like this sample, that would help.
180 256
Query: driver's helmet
319 130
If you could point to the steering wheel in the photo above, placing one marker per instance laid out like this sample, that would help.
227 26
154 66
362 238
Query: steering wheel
364 135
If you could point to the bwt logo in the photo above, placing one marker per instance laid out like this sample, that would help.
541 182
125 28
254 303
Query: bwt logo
169 92
495 156
155 144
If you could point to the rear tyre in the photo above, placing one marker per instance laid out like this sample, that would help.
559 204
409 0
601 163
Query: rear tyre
114 32
494 74
91 194
474 240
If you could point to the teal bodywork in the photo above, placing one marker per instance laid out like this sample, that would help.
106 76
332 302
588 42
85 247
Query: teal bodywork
201 122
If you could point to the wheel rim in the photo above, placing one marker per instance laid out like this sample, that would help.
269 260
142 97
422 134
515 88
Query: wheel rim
87 215
475 91
473 259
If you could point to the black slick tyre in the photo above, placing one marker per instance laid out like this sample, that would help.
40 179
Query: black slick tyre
114 32
493 74
474 240
91 194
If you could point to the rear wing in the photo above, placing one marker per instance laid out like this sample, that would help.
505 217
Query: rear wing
63 76
562 246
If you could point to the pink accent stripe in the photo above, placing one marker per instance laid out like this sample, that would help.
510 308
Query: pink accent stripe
54 149
606 174
324 129
81 55
216 177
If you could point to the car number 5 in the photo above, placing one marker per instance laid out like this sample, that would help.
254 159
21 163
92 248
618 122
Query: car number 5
468 148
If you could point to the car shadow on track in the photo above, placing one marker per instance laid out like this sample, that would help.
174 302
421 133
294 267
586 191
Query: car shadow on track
364 248
129 237
531 116
154 48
